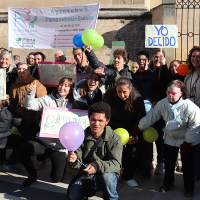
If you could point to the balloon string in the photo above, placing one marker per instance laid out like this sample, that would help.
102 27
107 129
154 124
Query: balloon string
81 163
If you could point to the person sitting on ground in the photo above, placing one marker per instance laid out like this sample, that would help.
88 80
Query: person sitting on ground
181 132
127 108
91 90
62 97
104 162
9 117
60 56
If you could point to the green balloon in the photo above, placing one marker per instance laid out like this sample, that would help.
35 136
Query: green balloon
99 43
89 37
15 131
150 134
123 133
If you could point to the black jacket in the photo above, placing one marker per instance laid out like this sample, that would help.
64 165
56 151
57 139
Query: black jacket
120 118
149 87
95 63
9 116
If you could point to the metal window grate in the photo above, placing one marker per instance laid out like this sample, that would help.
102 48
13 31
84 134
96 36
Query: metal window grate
188 21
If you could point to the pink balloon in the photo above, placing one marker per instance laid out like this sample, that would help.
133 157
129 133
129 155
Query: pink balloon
71 136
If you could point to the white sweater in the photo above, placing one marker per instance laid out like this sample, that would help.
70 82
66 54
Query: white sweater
187 131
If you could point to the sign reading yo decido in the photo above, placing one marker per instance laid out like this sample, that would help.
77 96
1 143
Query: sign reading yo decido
161 36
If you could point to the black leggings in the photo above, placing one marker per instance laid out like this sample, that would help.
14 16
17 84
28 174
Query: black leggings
58 159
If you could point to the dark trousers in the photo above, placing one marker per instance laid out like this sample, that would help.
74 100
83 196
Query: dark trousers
13 142
145 154
58 159
129 158
171 154
160 141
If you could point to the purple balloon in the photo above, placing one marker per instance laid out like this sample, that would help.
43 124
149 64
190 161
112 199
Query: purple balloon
71 136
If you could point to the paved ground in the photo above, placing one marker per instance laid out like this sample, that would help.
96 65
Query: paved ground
10 187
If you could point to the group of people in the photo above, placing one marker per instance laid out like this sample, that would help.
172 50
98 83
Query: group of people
114 97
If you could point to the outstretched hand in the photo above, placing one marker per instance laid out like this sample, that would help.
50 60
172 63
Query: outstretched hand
100 71
32 86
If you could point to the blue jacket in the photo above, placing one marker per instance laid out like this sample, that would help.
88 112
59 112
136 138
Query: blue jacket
149 87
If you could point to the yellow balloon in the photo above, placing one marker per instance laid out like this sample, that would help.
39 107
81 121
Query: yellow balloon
123 133
150 134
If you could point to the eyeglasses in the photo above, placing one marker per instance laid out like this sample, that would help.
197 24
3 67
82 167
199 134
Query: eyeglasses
172 93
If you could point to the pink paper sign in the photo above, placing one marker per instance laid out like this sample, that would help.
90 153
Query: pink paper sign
54 118
50 73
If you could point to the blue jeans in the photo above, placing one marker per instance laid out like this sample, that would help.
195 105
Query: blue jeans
106 182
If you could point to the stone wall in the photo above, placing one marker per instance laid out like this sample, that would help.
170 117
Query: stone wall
118 20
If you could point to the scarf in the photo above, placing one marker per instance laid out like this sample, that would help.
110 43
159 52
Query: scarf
173 109
62 103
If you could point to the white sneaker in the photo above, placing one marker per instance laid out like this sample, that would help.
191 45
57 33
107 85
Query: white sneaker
131 183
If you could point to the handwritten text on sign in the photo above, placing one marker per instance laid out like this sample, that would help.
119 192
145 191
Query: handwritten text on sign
161 36
54 118
50 73
2 83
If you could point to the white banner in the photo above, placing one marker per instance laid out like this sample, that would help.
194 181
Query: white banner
161 36
2 83
49 27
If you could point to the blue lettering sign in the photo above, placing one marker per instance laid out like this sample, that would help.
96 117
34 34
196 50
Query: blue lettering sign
171 41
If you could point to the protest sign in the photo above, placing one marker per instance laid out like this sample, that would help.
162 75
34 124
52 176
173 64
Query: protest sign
2 83
50 73
49 27
161 36
54 118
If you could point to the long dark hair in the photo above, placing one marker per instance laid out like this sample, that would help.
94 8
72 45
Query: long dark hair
71 83
132 96
179 84
188 61
84 86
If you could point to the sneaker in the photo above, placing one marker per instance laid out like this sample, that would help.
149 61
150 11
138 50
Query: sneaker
40 165
159 168
29 181
131 183
10 168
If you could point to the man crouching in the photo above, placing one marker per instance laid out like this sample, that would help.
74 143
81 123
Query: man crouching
105 161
